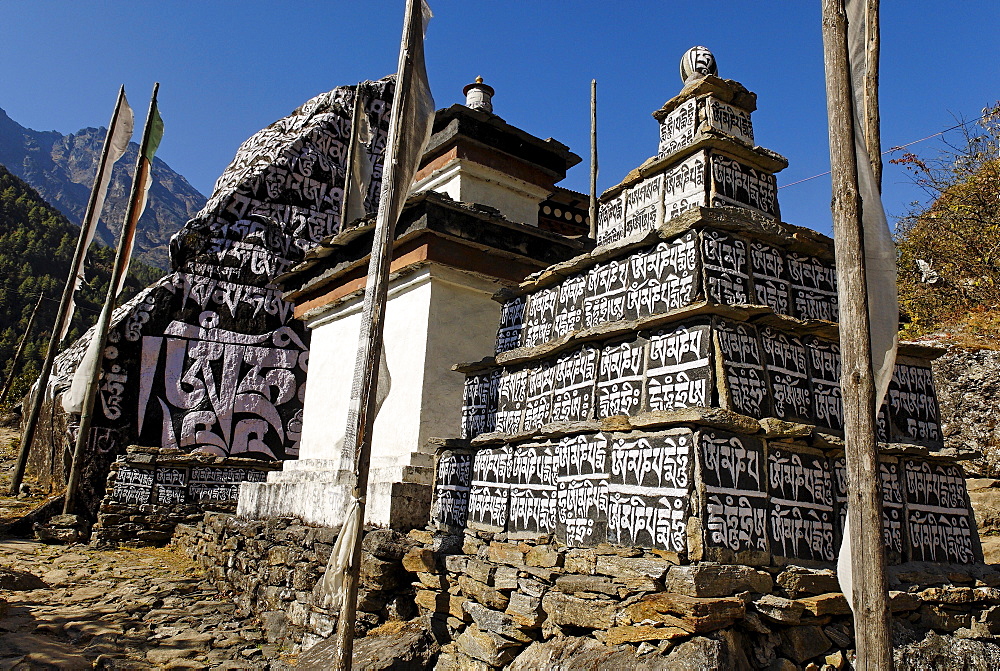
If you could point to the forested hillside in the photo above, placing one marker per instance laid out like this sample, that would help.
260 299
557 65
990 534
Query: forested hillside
36 249
62 167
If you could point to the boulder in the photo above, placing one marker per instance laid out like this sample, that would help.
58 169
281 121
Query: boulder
392 647
717 580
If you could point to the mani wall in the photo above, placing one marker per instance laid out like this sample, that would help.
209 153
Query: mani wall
678 388
209 358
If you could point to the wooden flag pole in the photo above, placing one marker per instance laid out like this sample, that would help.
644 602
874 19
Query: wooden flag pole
872 632
104 322
873 139
593 159
20 349
28 435
361 416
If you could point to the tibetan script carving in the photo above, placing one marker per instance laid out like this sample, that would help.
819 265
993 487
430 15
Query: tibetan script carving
734 183
489 492
451 489
746 388
510 332
582 490
619 379
677 128
726 269
533 500
735 505
770 277
678 369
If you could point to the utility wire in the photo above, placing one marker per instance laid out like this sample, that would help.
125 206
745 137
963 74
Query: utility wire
895 148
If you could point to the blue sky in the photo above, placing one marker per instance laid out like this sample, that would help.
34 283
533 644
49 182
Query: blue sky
228 68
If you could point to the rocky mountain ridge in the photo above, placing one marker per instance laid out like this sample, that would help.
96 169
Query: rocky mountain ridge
61 168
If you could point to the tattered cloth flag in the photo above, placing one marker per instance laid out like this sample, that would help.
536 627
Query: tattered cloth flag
117 142
880 251
75 397
415 108
361 167
144 178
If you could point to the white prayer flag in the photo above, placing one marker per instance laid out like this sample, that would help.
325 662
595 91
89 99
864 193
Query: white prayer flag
880 251
117 141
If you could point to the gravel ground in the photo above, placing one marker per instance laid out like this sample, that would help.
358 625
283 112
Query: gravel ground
74 607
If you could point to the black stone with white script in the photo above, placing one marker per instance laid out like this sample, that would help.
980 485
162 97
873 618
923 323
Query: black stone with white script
663 278
735 183
510 334
619 378
574 385
813 288
651 479
643 205
582 489
787 366
533 500
726 268
938 524
824 378
802 522
770 277
735 502
540 316
912 404
745 385
511 396
490 489
171 485
538 400
133 485
679 367
451 488
569 307
607 285
479 403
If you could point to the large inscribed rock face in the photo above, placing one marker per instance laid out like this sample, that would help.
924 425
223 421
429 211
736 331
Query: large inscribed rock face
209 358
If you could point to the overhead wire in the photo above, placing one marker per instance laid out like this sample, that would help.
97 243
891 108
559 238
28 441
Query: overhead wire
896 148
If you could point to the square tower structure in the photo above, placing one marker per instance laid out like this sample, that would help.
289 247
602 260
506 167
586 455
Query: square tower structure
678 387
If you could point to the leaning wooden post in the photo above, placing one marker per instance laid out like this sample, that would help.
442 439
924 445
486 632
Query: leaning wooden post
872 118
20 350
63 314
872 632
409 125
593 159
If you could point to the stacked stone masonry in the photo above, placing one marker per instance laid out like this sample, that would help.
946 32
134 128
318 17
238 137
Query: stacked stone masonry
152 490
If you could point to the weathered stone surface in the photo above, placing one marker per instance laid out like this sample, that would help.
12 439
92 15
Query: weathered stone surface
632 567
802 643
505 577
564 609
778 428
420 560
950 595
545 556
478 570
826 604
569 653
694 614
712 580
525 610
572 583
482 593
397 648
639 633
487 646
942 618
507 553
797 580
441 602
582 561
901 602
498 622
947 653
433 581
779 609
698 654
386 544
967 382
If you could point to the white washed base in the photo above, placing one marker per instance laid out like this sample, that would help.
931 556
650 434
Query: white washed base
317 492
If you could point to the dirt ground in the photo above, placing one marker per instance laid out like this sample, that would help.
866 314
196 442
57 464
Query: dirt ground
74 607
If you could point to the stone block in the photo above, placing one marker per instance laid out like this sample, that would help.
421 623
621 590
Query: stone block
420 559
507 553
442 602
455 563
572 583
386 544
487 646
780 609
505 578
802 643
496 621
433 581
525 610
833 603
632 567
583 561
797 580
563 609
639 633
478 570
713 580
693 614
901 602
482 593
545 556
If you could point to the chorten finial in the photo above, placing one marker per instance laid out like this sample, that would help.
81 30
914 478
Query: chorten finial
479 96
697 62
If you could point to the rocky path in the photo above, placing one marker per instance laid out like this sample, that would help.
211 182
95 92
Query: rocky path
79 608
